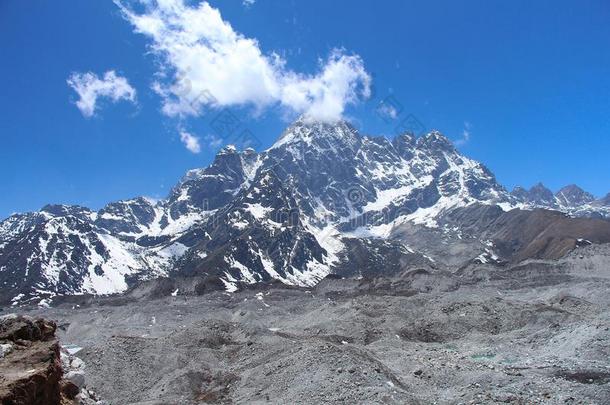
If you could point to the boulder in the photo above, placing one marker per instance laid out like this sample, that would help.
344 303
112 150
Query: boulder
77 377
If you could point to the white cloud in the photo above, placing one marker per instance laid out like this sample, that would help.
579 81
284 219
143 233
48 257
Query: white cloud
248 3
465 135
206 64
342 81
388 109
191 142
90 88
214 141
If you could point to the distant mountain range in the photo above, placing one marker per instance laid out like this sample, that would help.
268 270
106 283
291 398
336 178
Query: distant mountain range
571 199
322 200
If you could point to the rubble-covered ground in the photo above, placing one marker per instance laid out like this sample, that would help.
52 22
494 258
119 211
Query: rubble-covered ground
533 333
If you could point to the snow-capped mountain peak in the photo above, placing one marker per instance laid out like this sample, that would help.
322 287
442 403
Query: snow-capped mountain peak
320 198
304 132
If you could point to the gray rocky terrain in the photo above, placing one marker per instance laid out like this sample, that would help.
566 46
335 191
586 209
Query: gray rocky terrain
533 332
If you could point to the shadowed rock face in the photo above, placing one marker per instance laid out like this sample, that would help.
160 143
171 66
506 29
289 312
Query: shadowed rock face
30 367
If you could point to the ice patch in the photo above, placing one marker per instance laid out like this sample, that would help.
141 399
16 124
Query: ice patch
71 349
258 211
229 286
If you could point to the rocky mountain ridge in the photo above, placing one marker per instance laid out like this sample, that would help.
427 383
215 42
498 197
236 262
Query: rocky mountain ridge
570 199
322 198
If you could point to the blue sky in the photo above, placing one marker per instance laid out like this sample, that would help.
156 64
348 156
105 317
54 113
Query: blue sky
529 81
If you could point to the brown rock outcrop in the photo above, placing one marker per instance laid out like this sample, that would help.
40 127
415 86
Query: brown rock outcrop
30 371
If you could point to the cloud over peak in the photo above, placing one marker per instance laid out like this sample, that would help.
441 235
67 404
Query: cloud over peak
205 63
90 88
465 135
191 142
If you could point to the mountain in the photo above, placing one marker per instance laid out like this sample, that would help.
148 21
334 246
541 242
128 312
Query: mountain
537 196
570 199
323 199
573 196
